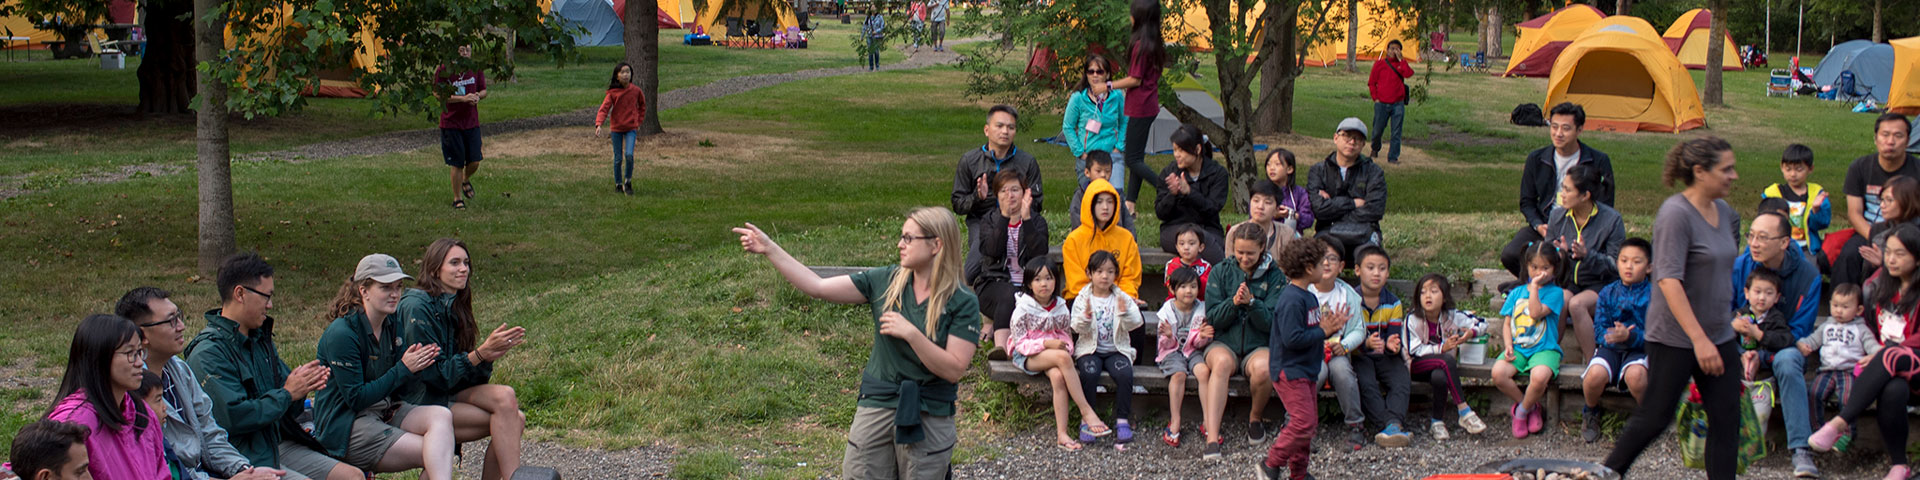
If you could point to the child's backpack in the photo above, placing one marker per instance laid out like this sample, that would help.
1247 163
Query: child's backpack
1528 115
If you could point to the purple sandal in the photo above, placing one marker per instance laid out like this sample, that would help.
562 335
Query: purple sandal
1126 432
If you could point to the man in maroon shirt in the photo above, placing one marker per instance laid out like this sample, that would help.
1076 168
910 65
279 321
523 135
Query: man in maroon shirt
460 126
1388 86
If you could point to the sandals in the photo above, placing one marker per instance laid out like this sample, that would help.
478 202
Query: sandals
460 204
1088 434
466 188
1068 446
1126 432
1171 438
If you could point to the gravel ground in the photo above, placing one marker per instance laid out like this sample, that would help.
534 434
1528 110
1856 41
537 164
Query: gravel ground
1031 454
580 463
409 140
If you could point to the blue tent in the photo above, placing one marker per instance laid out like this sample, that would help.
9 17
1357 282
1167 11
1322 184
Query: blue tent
602 24
1871 64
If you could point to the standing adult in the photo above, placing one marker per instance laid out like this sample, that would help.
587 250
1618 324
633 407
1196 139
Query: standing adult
972 177
460 125
255 396
1590 234
937 21
103 369
924 336
194 438
1689 327
1012 236
440 313
1770 246
1886 378
1540 179
1145 58
1348 190
1387 84
1095 121
1195 191
1866 177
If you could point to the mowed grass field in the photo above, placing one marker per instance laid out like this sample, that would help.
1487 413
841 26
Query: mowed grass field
647 324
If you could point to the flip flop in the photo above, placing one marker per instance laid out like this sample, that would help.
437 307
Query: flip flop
1171 438
1068 446
1088 434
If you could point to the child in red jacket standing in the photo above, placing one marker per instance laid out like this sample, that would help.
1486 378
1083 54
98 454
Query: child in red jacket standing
624 107
1387 83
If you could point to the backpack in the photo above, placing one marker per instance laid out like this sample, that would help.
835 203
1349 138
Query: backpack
1528 115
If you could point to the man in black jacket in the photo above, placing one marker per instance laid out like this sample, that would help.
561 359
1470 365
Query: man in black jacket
1008 237
1347 187
972 197
1540 180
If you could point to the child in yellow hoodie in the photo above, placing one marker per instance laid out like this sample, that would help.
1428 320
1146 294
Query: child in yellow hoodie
1098 231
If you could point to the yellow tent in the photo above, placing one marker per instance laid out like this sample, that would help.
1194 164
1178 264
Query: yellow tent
1903 95
1542 39
1193 22
335 81
715 23
1379 23
27 36
1626 79
1687 39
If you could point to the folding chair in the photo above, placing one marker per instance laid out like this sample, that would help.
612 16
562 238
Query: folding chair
1480 61
1779 83
734 35
1850 89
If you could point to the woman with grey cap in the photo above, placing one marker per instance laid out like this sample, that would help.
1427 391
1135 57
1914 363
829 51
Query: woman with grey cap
357 417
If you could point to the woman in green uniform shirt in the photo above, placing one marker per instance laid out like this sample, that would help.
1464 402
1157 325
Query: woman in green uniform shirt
440 313
917 359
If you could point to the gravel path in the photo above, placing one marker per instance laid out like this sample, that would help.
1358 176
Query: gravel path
580 463
408 140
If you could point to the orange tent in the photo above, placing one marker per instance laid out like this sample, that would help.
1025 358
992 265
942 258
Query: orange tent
1542 39
1626 79
1903 93
1687 39
1379 24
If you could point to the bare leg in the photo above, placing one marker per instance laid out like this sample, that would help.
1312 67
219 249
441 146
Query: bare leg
1636 378
428 444
1057 359
1593 384
1176 391
1061 401
342 471
491 411
1215 406
1257 375
1503 372
1539 379
1202 375
459 178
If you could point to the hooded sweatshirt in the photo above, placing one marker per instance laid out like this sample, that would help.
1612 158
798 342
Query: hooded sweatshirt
1090 237
117 454
1424 337
1244 328
1125 316
1186 337
1033 324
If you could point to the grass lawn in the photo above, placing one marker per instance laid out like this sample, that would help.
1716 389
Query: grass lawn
647 325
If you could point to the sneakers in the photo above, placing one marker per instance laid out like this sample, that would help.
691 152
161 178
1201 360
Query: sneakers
1439 430
1256 432
1822 440
1899 472
1590 428
1356 437
1211 451
1471 422
1536 419
1519 421
1265 472
1392 437
1803 464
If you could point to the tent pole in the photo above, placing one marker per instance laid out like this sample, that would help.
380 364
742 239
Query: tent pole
1799 24
1769 21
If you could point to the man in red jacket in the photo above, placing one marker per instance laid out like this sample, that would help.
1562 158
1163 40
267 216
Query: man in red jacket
1388 86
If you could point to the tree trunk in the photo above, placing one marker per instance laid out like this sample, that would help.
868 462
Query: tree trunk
1622 7
1235 138
1480 31
216 174
1879 30
1716 55
166 72
1495 28
642 39
1275 112
1353 34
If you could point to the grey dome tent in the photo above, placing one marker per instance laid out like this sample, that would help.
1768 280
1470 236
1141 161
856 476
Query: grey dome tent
1871 64
597 17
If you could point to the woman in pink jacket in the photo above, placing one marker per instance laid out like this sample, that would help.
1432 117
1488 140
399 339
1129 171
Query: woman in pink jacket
103 368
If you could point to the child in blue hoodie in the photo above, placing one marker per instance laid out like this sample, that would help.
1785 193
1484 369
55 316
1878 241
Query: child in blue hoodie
1295 348
1619 324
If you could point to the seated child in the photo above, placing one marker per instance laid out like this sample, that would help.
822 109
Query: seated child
1762 331
1381 365
1102 315
1619 329
1183 332
1296 208
1098 231
1042 345
1532 338
1843 343
1431 343
1187 243
1263 208
1099 167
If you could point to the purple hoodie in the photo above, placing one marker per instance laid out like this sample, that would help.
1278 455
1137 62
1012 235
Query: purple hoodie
1297 199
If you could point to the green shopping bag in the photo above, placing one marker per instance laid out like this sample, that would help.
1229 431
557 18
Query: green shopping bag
1692 433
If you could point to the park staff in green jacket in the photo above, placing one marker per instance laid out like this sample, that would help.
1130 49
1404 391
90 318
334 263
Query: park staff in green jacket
440 313
357 417
255 396
1240 300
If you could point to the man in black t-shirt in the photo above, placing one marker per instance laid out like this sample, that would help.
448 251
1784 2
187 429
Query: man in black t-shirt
1865 177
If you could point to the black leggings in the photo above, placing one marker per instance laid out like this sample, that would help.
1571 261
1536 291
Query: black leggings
1877 383
1850 267
1666 386
1135 156
1116 365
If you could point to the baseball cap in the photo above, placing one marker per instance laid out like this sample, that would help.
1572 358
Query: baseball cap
381 268
1351 123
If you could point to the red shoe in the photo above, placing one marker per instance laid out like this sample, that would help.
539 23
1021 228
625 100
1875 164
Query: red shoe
1171 438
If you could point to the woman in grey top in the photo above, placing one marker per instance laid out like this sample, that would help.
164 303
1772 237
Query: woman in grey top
1689 332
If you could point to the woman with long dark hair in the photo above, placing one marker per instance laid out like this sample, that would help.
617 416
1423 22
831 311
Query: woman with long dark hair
1689 326
1145 59
1886 378
926 327
1194 191
440 313
624 108
104 365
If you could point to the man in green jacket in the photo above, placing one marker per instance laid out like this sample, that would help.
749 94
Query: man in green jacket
1240 299
255 396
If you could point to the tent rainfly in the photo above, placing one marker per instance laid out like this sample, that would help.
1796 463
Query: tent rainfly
1626 79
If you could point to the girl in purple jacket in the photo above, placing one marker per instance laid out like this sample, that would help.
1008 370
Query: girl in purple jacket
1296 208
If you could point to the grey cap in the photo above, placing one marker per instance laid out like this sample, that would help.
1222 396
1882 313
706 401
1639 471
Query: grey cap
1352 123
381 268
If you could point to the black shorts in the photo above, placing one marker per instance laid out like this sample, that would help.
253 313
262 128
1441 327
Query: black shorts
460 146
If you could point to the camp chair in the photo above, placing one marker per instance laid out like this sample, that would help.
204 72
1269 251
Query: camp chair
805 26
1850 90
1779 83
1466 62
793 38
734 34
766 32
1480 61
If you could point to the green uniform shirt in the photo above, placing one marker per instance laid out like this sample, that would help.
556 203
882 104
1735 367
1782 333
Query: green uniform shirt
427 318
246 380
366 371
893 359
1243 328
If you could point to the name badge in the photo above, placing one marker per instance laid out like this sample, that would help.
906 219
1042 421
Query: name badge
1093 125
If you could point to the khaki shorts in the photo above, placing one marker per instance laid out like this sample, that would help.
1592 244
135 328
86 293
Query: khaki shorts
302 463
871 453
375 430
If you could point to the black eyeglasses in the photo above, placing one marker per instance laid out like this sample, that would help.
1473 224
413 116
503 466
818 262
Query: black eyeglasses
174 320
909 238
265 295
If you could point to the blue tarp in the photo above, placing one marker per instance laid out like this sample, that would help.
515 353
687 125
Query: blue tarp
1871 64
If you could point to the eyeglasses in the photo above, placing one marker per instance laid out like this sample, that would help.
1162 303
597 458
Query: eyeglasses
1096 71
174 320
909 238
265 295
134 354
1760 237
1330 258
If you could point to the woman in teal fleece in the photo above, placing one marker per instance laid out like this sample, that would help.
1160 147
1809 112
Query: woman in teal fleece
1094 121
440 313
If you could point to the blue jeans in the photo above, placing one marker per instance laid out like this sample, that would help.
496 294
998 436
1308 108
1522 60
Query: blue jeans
1382 114
623 155
873 53
1790 382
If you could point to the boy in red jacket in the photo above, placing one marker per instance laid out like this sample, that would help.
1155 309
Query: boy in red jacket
1388 86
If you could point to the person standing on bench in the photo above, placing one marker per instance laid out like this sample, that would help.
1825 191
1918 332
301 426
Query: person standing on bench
1689 325
1541 177
924 336
1770 247
1196 191
1240 309
1010 236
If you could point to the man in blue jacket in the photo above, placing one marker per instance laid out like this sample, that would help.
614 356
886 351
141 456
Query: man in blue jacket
1770 246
